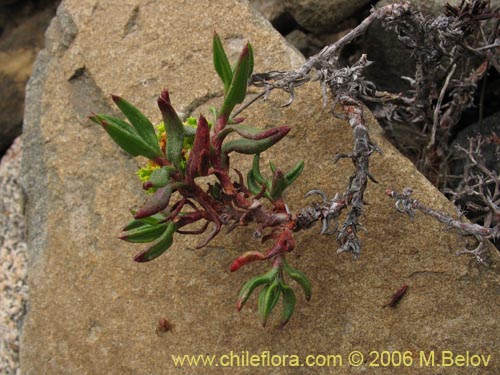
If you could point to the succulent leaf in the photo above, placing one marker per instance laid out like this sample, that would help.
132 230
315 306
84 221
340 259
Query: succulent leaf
289 301
270 300
198 162
295 172
251 146
162 245
237 90
279 184
141 124
253 283
300 278
158 202
159 178
150 220
174 129
144 233
252 184
221 62
250 132
126 137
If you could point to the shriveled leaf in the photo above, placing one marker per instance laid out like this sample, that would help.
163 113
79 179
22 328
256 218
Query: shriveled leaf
249 256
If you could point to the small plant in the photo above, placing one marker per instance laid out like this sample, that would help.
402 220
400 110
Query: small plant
180 153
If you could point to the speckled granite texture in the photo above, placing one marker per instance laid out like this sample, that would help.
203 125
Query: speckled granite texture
13 285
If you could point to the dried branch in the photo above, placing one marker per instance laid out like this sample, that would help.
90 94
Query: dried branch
406 204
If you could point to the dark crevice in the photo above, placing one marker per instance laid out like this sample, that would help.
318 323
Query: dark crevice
285 23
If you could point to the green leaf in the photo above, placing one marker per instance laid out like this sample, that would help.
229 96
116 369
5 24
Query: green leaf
300 278
289 301
159 177
238 88
272 167
270 300
256 171
253 283
252 184
250 132
251 146
141 124
151 220
125 137
162 245
292 175
145 233
262 297
279 184
118 122
251 61
174 129
221 62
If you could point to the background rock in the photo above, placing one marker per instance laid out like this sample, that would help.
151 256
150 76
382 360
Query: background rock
392 59
311 25
489 126
324 16
22 26
13 257
94 311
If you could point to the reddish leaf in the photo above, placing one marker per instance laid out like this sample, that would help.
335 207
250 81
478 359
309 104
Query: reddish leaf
198 162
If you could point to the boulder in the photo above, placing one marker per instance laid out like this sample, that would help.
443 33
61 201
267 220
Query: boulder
315 16
92 310
21 37
391 57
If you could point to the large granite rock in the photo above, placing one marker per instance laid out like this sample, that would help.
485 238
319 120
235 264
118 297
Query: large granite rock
93 310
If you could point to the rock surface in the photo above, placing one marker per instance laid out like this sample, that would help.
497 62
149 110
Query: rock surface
21 37
13 259
391 57
93 310
324 16
315 16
